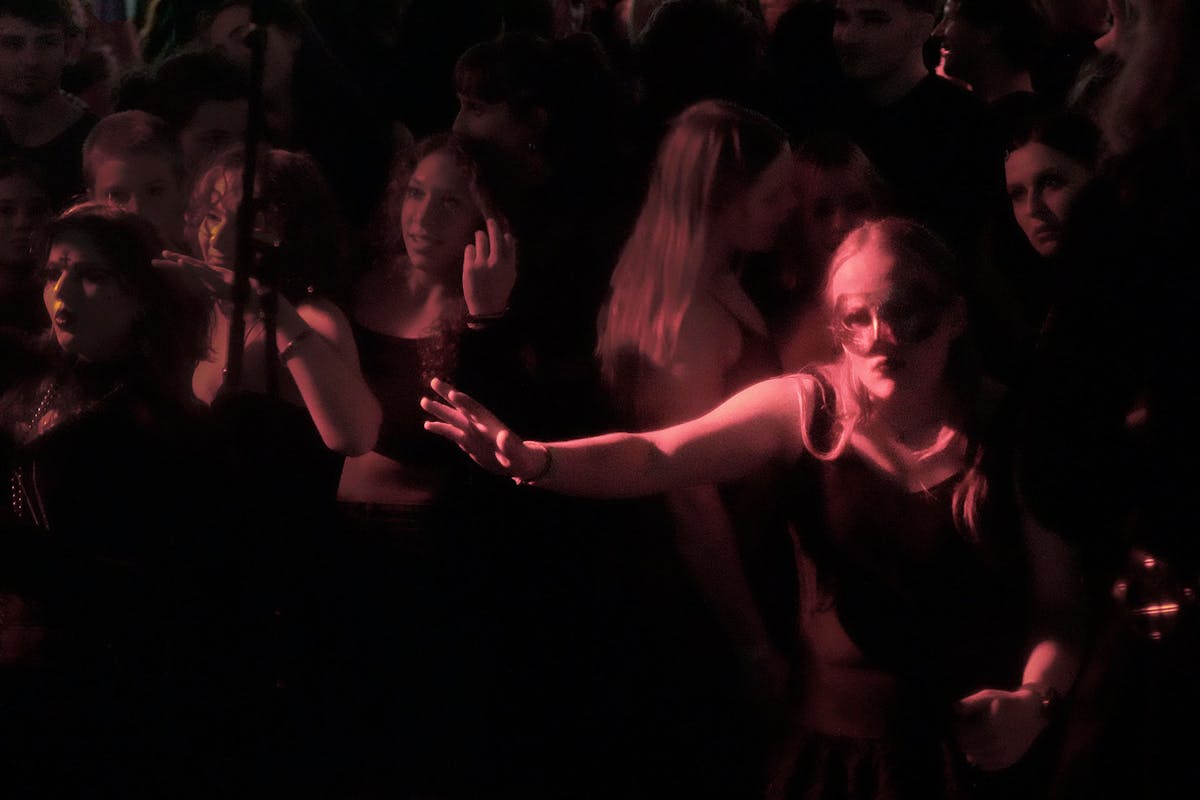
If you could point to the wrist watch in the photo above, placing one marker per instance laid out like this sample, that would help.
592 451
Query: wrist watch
1048 697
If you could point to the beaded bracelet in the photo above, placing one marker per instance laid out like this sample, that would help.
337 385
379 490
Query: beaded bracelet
541 473
289 349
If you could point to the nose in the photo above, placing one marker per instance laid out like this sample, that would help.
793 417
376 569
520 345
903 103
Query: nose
427 214
1038 209
62 288
883 332
132 204
459 125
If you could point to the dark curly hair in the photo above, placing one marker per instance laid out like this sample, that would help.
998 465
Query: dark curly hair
439 352
290 186
389 236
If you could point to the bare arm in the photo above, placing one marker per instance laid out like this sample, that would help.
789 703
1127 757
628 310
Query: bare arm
323 362
1000 726
730 441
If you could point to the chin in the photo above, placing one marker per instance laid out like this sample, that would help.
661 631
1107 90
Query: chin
881 389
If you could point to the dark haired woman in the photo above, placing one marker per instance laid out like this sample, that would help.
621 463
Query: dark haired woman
109 537
549 123
433 303
288 448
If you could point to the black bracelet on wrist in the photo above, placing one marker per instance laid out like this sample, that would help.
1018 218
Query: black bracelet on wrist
477 321
289 349
541 473
1048 697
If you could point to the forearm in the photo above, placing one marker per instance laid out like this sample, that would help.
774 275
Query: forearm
342 406
739 436
1052 663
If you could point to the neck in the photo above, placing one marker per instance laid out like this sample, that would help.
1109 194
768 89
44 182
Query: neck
1000 81
893 87
421 287
917 424
35 122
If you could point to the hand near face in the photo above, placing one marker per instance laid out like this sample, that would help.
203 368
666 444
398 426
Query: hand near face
489 270
996 728
215 281
464 421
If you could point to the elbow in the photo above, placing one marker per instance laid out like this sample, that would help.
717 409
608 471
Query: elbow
359 437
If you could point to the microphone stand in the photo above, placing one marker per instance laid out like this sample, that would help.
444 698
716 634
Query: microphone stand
256 40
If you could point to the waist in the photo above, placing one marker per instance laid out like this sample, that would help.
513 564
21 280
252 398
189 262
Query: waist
378 480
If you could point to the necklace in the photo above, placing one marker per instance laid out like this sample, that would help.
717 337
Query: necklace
41 420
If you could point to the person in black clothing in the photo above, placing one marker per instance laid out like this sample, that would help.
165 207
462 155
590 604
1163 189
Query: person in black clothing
112 583
38 121
1110 443
929 139
24 213
938 624
310 101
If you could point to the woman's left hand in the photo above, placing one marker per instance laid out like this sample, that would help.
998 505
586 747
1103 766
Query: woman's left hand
996 728
489 270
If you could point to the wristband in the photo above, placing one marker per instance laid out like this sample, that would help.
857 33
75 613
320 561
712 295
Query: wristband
1048 698
289 349
477 321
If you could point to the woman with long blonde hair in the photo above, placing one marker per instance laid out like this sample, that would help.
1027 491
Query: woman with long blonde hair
939 621
679 335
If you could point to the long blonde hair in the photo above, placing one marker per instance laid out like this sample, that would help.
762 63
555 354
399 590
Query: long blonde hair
915 250
711 154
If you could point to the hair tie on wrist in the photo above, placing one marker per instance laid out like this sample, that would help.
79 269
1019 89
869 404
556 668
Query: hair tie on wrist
289 349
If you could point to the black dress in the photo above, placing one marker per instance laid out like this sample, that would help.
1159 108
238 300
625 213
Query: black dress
112 585
902 616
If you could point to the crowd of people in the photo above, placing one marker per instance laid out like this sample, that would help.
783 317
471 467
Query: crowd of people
822 363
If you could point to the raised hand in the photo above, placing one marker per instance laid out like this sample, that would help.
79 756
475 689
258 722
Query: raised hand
996 728
477 431
489 270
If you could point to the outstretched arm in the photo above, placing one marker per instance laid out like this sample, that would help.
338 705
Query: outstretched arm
738 436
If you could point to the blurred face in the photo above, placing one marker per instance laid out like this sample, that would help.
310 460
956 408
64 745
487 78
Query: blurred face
92 312
24 210
494 123
1042 184
32 59
214 125
962 42
875 38
774 9
228 32
833 202
145 184
437 217
895 331
217 235
753 221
